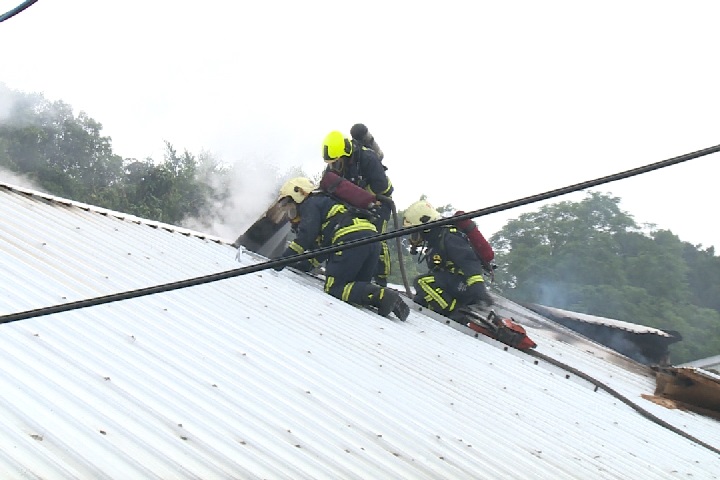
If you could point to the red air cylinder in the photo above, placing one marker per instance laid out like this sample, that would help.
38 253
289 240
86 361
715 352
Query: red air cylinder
346 191
481 246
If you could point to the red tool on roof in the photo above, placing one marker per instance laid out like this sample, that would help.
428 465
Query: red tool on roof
504 330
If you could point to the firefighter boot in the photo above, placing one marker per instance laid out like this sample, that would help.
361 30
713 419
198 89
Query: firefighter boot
386 300
401 309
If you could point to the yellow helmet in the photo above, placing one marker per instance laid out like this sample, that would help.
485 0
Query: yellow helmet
297 188
420 212
335 146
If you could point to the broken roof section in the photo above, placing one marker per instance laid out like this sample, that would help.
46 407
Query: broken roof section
644 344
690 389
266 376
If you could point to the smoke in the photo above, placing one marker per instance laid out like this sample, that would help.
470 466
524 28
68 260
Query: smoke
644 348
10 178
20 108
621 342
239 191
247 189
258 157
6 102
551 293
10 102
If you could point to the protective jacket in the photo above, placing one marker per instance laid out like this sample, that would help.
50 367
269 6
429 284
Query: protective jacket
449 249
325 221
455 276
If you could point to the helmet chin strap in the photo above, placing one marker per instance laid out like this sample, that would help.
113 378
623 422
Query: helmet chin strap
338 165
417 245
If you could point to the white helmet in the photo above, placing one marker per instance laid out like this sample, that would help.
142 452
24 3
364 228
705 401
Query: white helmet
297 188
420 212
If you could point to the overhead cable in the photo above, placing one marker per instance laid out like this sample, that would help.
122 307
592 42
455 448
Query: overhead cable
16 10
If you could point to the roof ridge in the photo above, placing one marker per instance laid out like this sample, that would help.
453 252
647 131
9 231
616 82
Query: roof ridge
113 213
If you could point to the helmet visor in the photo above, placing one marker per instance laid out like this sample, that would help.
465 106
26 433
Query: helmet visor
326 155
285 208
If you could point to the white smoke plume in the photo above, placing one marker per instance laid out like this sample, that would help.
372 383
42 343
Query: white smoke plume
253 185
13 179
6 102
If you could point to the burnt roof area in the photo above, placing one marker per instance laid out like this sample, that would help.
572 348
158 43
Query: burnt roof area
645 345
687 389
681 388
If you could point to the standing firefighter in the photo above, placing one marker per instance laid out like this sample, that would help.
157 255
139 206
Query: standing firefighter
358 159
321 221
455 276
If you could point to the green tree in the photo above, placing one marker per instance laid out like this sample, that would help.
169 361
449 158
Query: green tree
182 186
703 272
591 257
67 155
62 153
561 244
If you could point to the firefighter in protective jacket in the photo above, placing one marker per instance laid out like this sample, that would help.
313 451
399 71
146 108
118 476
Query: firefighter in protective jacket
455 276
321 221
359 160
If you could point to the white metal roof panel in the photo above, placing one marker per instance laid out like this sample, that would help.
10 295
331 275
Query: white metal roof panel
709 362
610 322
266 376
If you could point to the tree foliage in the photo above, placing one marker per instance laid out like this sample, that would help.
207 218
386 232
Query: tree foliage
66 155
591 257
61 153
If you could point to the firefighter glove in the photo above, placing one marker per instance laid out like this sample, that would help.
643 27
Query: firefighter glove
359 132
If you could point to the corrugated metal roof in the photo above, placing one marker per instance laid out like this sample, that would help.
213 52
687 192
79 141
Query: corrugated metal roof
265 376
708 363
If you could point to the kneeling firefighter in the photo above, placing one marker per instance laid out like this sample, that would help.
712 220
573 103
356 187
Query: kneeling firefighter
320 220
455 276
359 160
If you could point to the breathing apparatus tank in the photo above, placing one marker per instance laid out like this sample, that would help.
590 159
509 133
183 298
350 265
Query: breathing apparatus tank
481 246
347 191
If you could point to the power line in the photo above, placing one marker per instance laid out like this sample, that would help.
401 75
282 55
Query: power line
16 10
14 317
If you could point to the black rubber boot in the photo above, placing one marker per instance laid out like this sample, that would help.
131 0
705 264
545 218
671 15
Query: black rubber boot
401 309
382 298
387 301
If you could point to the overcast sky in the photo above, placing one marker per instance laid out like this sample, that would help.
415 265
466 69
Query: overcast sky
475 103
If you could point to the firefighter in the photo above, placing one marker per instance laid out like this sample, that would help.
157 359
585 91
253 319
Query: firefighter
455 276
321 221
359 160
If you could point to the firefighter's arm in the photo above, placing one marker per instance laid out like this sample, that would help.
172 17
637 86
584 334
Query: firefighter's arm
374 173
307 231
